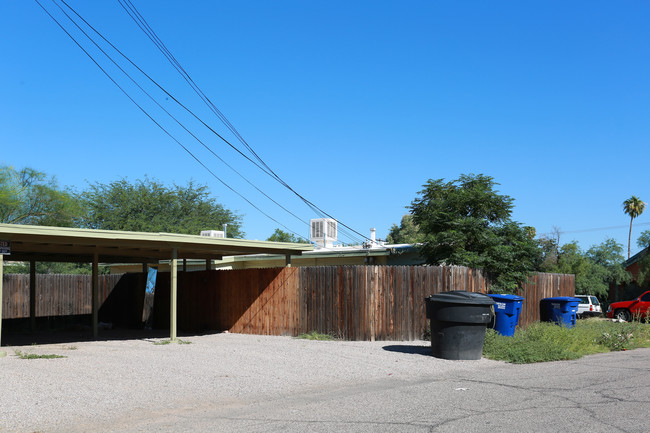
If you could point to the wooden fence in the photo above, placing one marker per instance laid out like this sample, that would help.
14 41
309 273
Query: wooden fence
120 296
351 302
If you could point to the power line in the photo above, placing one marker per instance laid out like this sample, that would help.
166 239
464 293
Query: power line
595 229
142 23
146 28
159 105
149 32
154 121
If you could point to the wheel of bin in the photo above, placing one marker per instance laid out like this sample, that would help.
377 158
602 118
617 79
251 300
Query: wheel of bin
622 314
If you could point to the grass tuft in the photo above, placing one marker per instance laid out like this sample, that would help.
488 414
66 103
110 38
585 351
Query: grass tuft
313 335
177 341
23 355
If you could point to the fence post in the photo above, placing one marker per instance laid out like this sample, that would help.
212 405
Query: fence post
374 283
173 295
2 258
32 295
95 294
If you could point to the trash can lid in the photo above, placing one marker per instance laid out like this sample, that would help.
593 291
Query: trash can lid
461 297
561 299
500 297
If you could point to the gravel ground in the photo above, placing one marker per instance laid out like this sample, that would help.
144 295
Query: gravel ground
105 382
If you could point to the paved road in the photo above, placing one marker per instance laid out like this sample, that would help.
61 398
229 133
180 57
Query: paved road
599 393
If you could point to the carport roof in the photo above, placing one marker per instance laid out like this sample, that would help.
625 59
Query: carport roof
60 244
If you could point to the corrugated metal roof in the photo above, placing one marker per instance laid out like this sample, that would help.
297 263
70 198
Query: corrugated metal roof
43 243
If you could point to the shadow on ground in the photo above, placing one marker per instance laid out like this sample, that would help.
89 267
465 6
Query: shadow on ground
409 349
78 335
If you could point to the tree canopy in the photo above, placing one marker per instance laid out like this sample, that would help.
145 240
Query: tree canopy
149 206
54 268
595 270
643 241
406 233
282 236
466 222
28 196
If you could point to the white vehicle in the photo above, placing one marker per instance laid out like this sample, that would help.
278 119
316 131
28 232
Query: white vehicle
588 306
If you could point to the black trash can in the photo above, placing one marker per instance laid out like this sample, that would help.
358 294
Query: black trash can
458 322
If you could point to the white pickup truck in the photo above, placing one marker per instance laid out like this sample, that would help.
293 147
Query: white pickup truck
588 306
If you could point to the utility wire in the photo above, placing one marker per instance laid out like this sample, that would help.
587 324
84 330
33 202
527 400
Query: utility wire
161 88
596 229
163 109
181 71
142 23
144 26
154 121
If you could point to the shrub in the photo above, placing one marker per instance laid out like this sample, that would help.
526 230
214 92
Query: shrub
542 342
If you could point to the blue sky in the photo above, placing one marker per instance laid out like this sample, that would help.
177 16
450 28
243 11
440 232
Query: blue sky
354 104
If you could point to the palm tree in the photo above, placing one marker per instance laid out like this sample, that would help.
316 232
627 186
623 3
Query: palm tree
633 207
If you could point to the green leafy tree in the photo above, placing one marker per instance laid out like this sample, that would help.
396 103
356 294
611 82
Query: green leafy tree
549 253
466 222
282 236
595 270
633 207
643 242
149 206
54 268
406 233
572 260
644 271
608 256
28 196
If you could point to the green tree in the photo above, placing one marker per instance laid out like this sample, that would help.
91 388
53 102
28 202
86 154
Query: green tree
643 241
633 207
282 236
28 196
466 222
572 260
149 206
549 254
644 271
406 233
608 256
595 270
54 268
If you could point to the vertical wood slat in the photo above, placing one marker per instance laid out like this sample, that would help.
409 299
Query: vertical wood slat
345 300
56 295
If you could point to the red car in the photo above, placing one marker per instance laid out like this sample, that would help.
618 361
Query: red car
625 310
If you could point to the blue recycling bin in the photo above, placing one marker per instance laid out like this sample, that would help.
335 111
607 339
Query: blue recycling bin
561 310
507 309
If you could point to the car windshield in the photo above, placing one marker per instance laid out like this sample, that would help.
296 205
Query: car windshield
594 300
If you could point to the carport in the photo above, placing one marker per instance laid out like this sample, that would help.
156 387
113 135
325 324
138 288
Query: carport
56 244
